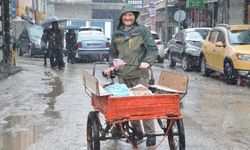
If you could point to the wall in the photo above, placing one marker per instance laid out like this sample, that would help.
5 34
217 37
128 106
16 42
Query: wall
81 11
21 6
236 12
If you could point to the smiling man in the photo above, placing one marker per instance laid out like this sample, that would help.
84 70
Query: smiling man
134 44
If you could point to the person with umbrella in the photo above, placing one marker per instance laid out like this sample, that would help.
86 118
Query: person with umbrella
44 45
71 45
56 45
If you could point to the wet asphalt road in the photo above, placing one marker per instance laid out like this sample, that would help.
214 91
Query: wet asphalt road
45 109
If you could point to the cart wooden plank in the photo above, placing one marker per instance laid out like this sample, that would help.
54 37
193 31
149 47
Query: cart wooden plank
172 82
91 83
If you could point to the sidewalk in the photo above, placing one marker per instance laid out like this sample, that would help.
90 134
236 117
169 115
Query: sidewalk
10 72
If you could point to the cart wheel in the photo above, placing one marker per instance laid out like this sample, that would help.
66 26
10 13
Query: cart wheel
93 140
176 135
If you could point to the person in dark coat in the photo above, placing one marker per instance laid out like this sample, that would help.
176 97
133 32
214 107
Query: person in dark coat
71 45
56 46
44 44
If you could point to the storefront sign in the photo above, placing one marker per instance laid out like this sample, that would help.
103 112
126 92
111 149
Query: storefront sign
172 2
195 3
13 8
136 3
210 1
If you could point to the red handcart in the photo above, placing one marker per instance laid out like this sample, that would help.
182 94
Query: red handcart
164 106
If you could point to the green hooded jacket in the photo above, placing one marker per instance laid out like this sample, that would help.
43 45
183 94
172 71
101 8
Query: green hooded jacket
134 47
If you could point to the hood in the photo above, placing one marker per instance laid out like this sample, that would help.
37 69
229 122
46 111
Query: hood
194 44
129 8
242 49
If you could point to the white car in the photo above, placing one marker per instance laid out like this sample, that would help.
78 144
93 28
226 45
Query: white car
92 46
160 45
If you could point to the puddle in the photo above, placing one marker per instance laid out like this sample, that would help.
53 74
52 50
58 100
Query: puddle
56 89
20 131
16 133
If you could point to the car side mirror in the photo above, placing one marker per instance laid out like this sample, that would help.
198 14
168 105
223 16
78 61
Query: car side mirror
180 42
219 44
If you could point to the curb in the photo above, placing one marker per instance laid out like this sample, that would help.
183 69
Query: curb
12 71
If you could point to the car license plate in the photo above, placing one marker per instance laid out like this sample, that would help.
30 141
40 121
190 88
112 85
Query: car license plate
94 44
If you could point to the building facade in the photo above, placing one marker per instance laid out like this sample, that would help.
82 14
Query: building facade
34 10
199 13
86 9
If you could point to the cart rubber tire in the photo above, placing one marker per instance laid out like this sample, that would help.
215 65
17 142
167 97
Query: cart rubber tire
93 134
176 135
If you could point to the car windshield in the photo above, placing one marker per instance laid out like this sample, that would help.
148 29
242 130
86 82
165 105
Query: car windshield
203 33
90 35
239 37
36 31
193 36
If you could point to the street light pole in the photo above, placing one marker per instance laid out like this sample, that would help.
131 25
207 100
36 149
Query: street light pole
166 22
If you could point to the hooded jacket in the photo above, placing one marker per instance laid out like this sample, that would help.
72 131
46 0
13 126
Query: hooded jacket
134 47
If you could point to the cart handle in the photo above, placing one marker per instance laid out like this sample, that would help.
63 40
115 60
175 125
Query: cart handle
150 82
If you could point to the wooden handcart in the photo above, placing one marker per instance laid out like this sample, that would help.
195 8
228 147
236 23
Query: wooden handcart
164 106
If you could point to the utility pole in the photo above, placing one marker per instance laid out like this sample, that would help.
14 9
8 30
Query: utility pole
5 64
166 22
6 30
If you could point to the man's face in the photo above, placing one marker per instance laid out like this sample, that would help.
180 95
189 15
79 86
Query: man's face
54 24
128 19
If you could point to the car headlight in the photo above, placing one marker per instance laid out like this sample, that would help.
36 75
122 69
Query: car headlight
244 57
193 51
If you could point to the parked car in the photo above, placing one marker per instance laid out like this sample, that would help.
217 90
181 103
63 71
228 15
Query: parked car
92 46
160 45
186 47
91 29
227 50
29 41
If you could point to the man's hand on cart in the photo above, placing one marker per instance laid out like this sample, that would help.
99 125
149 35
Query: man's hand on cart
144 65
118 64
108 72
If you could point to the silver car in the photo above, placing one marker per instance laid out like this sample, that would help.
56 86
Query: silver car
92 46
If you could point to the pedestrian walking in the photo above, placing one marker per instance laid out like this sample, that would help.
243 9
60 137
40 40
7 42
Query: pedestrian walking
71 45
56 46
44 45
134 44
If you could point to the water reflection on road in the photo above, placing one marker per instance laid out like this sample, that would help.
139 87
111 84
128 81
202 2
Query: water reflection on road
18 132
57 89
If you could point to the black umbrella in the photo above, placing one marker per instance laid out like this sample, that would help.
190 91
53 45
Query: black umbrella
47 22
